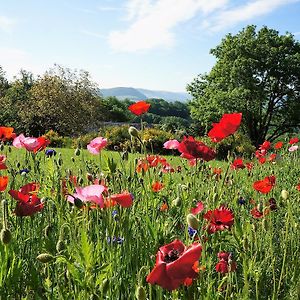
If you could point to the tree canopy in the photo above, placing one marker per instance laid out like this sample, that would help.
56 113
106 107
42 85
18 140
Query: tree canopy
256 73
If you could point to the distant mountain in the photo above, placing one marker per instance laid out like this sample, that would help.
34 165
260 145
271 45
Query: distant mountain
123 93
140 94
168 96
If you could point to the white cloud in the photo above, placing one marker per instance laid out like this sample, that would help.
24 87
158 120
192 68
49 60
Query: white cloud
153 22
250 10
6 24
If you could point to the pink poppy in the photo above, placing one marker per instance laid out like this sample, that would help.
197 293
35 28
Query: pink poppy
96 145
198 209
31 144
293 148
91 193
171 144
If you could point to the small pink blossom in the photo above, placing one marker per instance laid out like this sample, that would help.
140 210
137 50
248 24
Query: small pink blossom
96 145
91 193
198 209
293 148
171 144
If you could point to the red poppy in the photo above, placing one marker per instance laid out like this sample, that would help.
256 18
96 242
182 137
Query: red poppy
6 133
220 219
265 185
174 264
262 160
266 145
139 107
2 162
27 201
198 209
272 157
217 171
192 149
228 125
258 213
237 164
293 141
278 145
298 187
142 165
3 183
157 186
164 207
124 199
225 264
249 166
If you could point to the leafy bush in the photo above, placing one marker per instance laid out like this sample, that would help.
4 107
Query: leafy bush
58 141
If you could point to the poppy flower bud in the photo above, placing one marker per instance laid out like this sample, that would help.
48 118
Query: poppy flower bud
5 236
1 147
77 152
78 203
72 159
193 221
176 202
133 131
140 293
45 258
284 194
18 165
60 246
9 149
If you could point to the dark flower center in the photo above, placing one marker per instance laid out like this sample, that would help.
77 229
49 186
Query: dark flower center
218 222
171 256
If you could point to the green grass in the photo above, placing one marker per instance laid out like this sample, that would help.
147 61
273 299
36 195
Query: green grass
86 266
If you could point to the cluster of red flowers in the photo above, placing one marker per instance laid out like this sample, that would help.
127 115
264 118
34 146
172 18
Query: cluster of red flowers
152 161
239 164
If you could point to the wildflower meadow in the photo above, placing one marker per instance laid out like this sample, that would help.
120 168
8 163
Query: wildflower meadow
98 224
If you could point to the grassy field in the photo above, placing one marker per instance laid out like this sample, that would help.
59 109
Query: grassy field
108 253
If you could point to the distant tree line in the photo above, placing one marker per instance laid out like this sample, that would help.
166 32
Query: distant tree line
68 102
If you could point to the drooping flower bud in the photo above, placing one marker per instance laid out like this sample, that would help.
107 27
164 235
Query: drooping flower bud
45 257
133 131
193 221
140 293
77 152
284 194
5 236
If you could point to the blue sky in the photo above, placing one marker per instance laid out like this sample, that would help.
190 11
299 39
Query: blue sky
154 44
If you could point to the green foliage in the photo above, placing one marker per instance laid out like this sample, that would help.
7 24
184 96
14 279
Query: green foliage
256 73
238 145
174 124
58 141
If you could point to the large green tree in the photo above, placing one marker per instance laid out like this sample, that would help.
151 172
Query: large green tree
63 100
257 72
